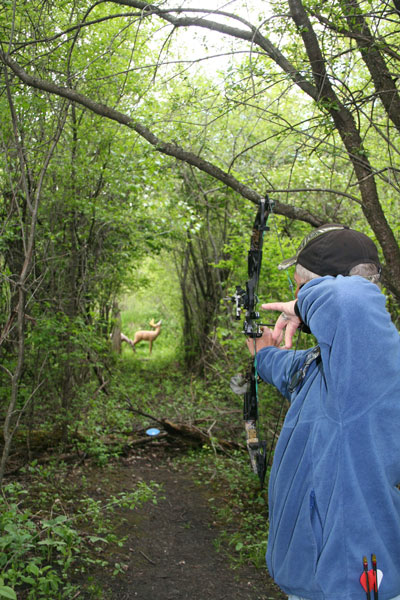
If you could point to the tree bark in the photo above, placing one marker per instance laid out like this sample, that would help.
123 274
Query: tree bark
353 143
384 82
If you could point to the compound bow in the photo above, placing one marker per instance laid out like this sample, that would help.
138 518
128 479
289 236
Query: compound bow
247 299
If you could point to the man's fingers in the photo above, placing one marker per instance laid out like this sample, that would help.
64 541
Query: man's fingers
287 322
278 329
273 306
278 338
290 330
284 307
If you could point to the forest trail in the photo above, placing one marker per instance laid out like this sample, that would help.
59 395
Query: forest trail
170 553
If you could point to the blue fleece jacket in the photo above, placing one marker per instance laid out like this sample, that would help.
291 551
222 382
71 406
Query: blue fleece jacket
333 487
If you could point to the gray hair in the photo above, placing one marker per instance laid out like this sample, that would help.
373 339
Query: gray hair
367 270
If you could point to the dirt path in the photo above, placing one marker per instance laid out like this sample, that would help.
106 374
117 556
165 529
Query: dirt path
170 552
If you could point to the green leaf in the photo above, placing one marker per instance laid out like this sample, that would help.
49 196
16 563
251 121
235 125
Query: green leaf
94 539
7 592
32 568
239 546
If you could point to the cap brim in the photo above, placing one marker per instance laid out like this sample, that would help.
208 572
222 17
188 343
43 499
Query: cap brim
288 262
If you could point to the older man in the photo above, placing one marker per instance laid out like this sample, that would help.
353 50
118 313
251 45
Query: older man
333 490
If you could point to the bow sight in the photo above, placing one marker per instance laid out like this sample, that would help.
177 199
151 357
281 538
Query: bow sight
251 328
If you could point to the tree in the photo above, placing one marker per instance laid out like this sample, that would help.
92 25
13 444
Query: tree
72 229
207 227
20 207
318 47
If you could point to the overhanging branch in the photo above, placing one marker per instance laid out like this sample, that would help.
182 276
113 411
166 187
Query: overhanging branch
167 148
170 149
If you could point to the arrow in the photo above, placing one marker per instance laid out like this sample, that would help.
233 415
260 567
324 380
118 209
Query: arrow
376 576
364 580
371 580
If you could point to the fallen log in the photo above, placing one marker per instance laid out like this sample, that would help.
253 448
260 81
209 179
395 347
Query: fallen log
189 433
199 436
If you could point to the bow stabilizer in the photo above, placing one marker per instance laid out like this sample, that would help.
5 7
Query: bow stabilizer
247 299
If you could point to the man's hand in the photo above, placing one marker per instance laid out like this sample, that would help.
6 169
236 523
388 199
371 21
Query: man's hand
267 339
288 322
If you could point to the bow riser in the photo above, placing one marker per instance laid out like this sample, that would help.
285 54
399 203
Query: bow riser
248 299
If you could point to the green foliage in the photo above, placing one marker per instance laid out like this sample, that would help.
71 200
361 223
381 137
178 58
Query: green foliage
96 218
45 538
119 222
6 591
27 548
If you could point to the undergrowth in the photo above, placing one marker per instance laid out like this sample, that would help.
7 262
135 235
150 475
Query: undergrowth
52 529
162 388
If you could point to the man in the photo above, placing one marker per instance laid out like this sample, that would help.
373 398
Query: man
333 486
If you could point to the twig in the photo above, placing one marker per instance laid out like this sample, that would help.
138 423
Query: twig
147 558
140 412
